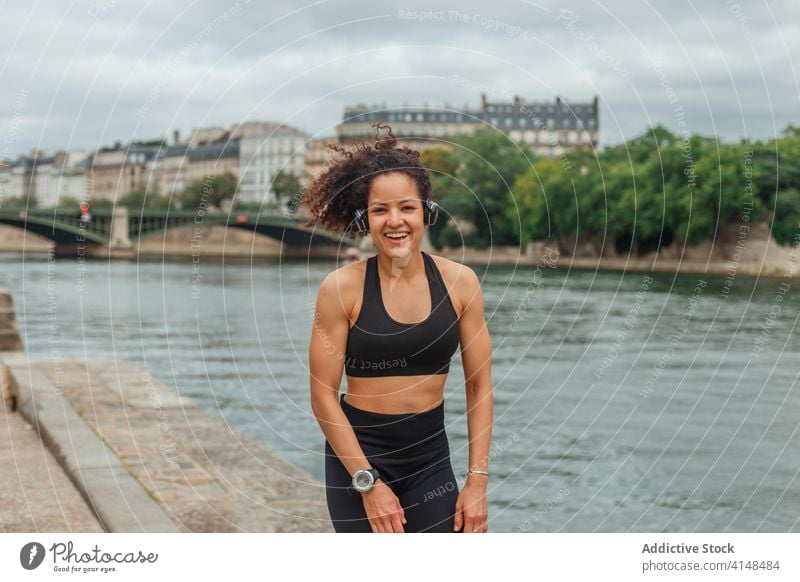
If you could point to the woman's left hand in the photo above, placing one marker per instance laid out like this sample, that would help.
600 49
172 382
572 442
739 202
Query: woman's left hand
471 511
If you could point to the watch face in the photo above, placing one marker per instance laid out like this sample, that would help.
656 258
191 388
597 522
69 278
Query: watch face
362 480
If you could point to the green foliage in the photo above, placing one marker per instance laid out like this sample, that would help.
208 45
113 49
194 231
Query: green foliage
240 206
473 183
139 199
210 192
101 203
657 188
160 142
786 223
285 186
135 199
68 202
18 202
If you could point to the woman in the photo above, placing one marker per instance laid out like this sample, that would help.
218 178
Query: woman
393 322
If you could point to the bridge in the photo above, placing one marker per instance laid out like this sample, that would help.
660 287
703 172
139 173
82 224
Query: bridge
119 230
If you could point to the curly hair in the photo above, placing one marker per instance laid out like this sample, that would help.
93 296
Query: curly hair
334 196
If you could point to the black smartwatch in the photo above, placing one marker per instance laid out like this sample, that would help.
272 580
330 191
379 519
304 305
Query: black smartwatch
364 479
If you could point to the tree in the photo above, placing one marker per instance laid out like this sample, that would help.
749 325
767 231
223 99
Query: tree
490 165
443 164
18 201
539 191
211 191
285 185
640 195
786 222
135 199
68 202
472 181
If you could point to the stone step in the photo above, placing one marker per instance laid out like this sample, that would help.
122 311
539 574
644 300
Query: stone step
202 473
118 501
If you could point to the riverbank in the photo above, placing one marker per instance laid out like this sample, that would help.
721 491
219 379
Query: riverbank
147 459
141 457
748 251
36 494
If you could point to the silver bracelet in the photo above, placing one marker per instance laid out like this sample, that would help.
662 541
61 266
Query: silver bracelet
478 472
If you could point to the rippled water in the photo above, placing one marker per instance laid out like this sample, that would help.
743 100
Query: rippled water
621 403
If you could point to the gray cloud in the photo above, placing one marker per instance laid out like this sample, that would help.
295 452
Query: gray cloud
89 74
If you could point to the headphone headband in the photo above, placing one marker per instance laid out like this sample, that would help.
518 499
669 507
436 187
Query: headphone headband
430 211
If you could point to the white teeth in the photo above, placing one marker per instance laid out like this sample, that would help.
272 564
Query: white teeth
391 235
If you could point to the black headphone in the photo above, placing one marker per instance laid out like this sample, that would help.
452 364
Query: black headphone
430 210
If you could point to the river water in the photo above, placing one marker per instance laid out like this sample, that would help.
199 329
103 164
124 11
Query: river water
623 402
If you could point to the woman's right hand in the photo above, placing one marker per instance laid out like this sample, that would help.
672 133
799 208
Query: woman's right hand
383 509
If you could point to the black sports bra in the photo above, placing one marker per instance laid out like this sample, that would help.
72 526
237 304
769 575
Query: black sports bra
377 345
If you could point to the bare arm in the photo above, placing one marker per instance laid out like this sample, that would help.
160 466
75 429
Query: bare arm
330 329
476 356
326 362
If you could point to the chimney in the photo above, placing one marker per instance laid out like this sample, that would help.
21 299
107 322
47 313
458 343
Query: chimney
176 136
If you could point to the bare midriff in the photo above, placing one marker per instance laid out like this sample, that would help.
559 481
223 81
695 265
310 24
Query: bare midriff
396 394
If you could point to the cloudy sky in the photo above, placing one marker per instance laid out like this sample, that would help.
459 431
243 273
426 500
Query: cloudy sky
85 74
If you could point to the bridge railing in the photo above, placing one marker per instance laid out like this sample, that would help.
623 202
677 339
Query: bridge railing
98 227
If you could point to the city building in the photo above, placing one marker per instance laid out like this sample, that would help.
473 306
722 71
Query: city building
213 159
177 166
549 127
317 156
263 154
113 173
167 172
62 175
16 178
419 127
46 177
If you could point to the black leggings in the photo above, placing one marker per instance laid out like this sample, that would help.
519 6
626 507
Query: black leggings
412 455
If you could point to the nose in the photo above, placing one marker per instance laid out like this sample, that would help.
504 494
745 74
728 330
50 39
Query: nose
395 218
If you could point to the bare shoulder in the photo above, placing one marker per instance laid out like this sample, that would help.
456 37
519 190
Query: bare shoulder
342 287
455 273
461 280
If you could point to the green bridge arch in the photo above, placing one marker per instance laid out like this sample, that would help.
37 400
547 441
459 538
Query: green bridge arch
67 227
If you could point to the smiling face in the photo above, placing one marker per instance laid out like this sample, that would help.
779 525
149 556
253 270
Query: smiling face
396 219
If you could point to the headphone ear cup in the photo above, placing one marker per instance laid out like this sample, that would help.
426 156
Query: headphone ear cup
362 225
432 212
